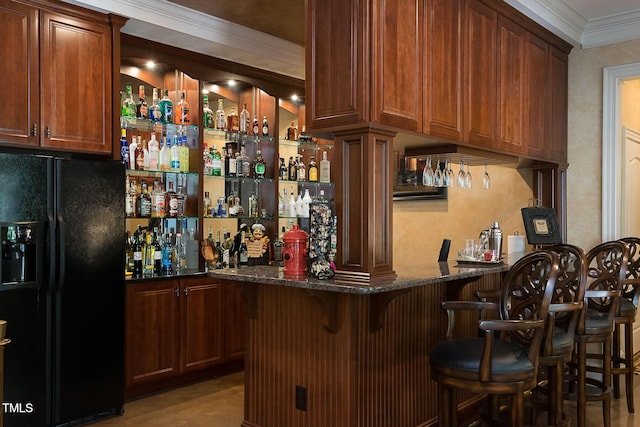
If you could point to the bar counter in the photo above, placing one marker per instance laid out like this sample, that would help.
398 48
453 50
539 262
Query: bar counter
323 353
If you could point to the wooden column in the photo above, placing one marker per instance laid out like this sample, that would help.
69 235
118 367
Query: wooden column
364 204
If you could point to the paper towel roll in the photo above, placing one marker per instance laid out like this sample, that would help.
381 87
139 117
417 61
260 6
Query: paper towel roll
515 243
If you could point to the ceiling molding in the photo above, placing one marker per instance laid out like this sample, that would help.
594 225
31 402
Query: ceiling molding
178 26
612 29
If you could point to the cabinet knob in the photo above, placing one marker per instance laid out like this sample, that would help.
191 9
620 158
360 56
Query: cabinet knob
48 132
177 291
186 290
34 130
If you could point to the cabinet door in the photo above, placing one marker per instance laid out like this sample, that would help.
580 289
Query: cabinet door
76 81
536 117
19 82
442 52
201 319
480 74
396 46
152 331
559 105
234 323
511 79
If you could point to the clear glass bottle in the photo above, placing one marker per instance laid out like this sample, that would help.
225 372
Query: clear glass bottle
157 201
293 170
182 115
206 205
256 126
207 113
207 161
244 120
171 201
301 169
128 108
246 162
148 257
253 206
165 155
132 152
283 172
155 115
221 118
154 152
166 107
144 200
142 109
232 170
131 197
181 197
325 168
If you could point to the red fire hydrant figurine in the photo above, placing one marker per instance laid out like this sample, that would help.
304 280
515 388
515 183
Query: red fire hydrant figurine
295 252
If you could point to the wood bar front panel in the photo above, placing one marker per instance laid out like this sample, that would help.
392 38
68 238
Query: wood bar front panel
358 376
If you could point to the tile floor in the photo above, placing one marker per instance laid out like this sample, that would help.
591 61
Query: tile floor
219 403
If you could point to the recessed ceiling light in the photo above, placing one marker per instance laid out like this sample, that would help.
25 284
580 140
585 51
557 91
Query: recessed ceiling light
232 82
150 65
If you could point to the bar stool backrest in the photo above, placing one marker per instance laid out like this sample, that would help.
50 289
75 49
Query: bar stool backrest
632 282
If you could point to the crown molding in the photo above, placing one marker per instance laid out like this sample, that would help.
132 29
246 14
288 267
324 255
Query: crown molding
178 26
612 29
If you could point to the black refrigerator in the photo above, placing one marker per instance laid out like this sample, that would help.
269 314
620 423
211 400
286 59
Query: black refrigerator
62 229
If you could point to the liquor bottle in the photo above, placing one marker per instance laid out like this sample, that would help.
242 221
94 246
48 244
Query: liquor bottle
238 206
244 120
165 155
128 267
231 204
130 198
283 208
265 126
243 251
175 155
132 152
157 201
139 153
306 202
277 247
233 121
292 132
312 169
181 197
283 172
182 115
221 120
167 255
293 170
207 113
157 253
246 162
207 160
145 151
144 200
184 153
292 204
137 253
206 205
302 170
155 115
179 253
216 168
256 126
166 108
148 259
325 168
124 148
228 160
253 206
154 152
128 104
142 110
171 201
259 165
300 205
226 245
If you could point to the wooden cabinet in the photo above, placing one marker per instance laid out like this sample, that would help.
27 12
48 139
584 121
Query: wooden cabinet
58 81
179 330
480 81
442 69
537 126
558 82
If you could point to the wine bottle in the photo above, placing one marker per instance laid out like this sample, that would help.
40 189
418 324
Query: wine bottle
142 110
207 113
265 126
243 251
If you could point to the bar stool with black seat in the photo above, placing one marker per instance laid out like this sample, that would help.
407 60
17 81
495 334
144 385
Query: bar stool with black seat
565 310
505 365
625 317
607 264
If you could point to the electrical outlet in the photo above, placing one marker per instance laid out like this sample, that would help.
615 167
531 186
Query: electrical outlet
301 398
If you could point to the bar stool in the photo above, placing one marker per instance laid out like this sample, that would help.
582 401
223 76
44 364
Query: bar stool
625 317
504 365
607 265
564 312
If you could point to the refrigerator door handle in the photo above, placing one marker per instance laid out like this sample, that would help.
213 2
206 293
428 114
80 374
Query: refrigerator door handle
61 256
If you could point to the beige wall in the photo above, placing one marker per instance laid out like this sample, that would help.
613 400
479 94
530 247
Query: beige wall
420 226
584 176
630 104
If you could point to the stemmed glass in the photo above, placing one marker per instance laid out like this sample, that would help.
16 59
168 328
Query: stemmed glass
438 176
427 174
486 181
461 175
449 176
468 181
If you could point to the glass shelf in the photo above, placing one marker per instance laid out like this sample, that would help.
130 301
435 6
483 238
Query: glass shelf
149 126
233 137
241 179
303 183
156 173
304 144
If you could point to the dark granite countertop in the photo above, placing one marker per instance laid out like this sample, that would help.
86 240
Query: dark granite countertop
425 274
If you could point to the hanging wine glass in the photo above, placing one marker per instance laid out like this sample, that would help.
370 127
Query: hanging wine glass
438 181
468 181
461 175
427 174
449 174
486 181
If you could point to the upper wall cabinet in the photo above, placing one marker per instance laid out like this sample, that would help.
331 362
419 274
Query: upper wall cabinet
59 80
